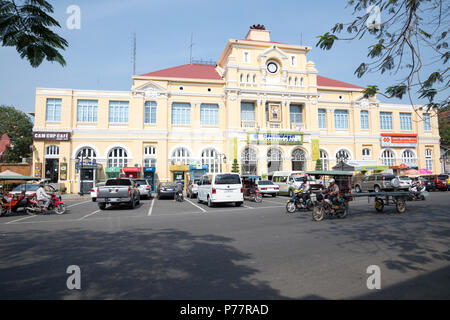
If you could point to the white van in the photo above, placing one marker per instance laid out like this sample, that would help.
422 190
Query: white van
220 188
288 181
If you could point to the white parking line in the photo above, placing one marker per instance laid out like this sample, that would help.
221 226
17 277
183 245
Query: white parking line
195 205
76 204
20 219
151 208
88 215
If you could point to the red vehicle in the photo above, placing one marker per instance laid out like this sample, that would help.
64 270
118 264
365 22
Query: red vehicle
439 182
35 206
15 202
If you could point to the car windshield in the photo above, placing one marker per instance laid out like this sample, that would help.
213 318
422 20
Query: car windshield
443 177
390 178
141 182
26 187
265 183
404 178
118 182
228 179
298 178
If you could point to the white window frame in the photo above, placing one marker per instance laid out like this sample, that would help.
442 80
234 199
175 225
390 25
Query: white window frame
387 157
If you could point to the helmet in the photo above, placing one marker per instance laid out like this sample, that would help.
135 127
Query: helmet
331 181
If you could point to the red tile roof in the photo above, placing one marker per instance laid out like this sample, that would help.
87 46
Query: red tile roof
209 72
327 82
191 71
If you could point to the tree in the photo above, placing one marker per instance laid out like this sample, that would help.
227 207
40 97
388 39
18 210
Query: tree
235 166
25 25
319 165
444 125
19 128
407 30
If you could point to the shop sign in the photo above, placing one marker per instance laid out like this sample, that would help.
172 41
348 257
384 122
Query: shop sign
198 167
315 150
279 138
51 136
400 140
63 171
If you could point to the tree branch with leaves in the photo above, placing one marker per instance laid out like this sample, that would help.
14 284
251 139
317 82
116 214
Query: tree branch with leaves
409 28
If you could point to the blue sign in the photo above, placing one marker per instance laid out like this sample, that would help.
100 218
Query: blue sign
149 169
198 167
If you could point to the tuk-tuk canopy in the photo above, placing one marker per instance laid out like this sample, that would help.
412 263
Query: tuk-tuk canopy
330 173
251 177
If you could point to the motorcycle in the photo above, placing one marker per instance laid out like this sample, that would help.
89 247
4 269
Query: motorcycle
324 206
417 193
16 202
300 200
179 197
253 194
36 206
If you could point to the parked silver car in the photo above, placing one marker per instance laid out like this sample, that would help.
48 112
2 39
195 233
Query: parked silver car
376 182
145 188
192 188
405 182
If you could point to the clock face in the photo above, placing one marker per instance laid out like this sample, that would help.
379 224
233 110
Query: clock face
272 67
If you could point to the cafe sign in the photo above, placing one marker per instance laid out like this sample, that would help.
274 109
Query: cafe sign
279 138
398 140
51 136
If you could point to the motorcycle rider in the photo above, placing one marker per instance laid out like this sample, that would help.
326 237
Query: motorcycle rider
333 191
416 186
178 190
41 195
304 188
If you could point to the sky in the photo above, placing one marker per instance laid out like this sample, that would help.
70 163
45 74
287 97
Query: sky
99 56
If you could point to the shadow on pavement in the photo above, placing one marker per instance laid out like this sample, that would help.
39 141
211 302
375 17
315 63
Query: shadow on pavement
139 264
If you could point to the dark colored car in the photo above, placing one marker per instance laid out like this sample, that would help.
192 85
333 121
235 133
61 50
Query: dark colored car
167 189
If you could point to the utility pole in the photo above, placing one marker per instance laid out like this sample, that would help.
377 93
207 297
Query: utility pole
191 45
134 53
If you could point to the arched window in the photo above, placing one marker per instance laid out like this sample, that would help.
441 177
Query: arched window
242 77
298 160
324 159
296 81
86 152
429 159
254 78
249 161
409 158
248 78
117 157
52 152
213 159
181 155
290 80
302 82
366 153
274 160
149 156
388 158
343 155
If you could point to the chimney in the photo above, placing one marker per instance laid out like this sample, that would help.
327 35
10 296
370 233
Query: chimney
258 32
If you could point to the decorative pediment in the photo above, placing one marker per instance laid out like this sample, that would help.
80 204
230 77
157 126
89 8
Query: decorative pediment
150 90
271 50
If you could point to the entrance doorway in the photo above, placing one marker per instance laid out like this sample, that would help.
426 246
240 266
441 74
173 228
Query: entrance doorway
52 169
86 180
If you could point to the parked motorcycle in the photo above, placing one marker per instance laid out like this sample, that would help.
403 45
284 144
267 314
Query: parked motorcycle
179 197
324 206
300 200
417 193
15 202
253 194
35 206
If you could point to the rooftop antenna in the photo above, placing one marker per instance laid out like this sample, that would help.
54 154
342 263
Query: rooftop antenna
191 45
134 53
301 38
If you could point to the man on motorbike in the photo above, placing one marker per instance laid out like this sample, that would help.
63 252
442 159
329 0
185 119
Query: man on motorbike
304 189
332 191
42 196
178 191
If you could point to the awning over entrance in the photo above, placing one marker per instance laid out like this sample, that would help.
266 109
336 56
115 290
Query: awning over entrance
131 169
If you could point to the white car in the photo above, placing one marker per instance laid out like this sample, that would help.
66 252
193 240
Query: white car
221 188
404 182
94 191
145 189
267 187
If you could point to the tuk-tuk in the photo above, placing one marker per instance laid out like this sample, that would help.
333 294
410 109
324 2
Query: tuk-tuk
343 179
251 191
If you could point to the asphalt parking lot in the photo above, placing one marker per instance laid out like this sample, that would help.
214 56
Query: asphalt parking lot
169 250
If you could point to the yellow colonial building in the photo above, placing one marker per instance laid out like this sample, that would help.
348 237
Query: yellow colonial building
263 104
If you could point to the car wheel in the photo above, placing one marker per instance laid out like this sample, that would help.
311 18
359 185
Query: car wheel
377 188
238 204
210 204
358 189
94 199
102 206
274 195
